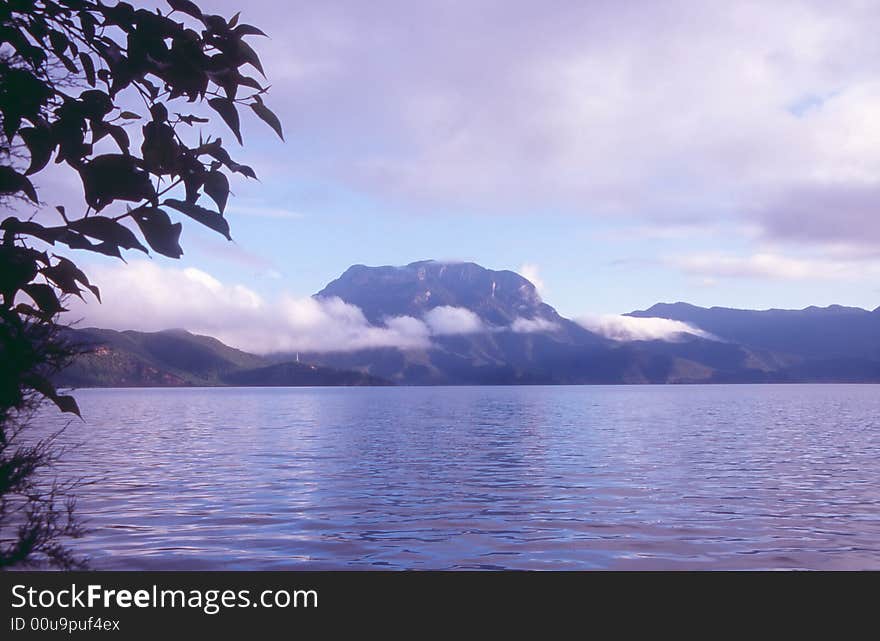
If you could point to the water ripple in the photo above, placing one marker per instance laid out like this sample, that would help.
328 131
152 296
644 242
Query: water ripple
720 477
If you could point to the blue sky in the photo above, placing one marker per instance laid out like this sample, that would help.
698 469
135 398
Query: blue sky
627 153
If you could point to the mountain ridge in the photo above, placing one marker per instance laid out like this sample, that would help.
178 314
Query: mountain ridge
179 358
517 338
811 332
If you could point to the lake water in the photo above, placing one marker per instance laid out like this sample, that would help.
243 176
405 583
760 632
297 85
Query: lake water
640 477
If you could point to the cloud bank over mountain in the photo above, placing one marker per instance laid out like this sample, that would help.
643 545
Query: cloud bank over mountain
628 328
449 321
429 322
148 297
760 111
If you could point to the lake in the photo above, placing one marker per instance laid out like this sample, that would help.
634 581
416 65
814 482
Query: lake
568 478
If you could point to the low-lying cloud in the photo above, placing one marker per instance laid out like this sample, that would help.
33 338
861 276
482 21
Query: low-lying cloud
147 297
532 273
449 321
532 325
630 328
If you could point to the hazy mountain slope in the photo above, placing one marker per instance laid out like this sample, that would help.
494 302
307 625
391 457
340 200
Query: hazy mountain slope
498 297
814 332
519 339
179 358
561 352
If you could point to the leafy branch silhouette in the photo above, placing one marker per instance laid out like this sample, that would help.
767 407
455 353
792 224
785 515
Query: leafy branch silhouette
77 78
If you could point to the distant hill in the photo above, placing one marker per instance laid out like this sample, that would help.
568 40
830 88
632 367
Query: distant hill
812 333
516 338
176 357
554 351
497 297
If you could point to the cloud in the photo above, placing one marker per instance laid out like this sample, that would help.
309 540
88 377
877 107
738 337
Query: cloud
532 325
147 297
446 321
629 328
680 109
531 272
840 212
774 266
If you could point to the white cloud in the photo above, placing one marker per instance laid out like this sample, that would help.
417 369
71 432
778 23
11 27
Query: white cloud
446 320
144 296
658 110
629 328
531 325
531 272
775 266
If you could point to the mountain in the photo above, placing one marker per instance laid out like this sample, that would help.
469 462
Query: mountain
525 340
816 344
499 298
491 327
178 358
811 333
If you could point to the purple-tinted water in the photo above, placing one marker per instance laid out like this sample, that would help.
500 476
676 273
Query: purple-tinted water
691 477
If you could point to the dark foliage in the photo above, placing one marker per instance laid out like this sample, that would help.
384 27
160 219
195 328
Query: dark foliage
77 77
36 514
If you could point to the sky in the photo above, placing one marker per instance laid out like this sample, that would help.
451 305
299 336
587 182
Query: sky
618 154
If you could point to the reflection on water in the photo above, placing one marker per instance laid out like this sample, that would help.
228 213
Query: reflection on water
486 477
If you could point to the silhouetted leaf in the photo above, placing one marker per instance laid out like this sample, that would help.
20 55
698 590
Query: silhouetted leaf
161 234
88 67
120 136
250 56
187 7
67 277
160 148
64 402
108 230
265 114
107 248
208 218
88 24
101 129
58 41
152 89
40 144
18 266
12 182
45 298
248 30
129 115
247 81
189 120
115 177
243 170
217 187
227 111
30 228
95 103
